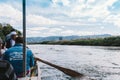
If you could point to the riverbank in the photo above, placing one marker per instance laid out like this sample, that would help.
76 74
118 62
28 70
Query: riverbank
109 41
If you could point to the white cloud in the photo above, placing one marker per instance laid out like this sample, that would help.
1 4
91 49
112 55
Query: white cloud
81 1
92 20
115 19
85 33
90 1
95 12
117 23
98 9
33 33
9 11
55 29
66 2
102 27
14 17
71 13
11 15
39 20
62 26
68 32
80 33
38 28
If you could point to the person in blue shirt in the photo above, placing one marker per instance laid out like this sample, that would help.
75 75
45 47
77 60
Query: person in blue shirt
15 56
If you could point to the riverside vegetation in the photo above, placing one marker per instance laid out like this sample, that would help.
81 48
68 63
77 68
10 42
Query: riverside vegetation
109 41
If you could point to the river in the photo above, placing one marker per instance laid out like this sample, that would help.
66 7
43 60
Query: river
100 63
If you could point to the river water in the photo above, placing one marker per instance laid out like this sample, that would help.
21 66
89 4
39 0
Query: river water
100 63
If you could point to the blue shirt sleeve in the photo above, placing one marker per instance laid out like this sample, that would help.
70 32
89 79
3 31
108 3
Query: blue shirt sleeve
31 59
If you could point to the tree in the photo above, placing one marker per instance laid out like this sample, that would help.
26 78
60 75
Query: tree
7 29
0 26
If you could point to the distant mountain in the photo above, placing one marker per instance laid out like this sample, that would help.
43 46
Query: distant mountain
57 38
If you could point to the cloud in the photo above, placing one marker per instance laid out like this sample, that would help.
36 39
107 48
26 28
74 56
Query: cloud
77 10
55 29
56 17
57 3
90 1
80 33
11 15
102 27
68 32
114 19
38 28
83 10
39 20
92 19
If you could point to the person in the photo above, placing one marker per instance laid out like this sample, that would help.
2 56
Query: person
15 56
1 48
6 69
8 36
11 41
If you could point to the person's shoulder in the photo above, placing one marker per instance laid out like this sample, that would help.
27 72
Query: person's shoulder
10 49
29 51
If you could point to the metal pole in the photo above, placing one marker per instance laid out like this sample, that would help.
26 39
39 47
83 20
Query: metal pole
24 37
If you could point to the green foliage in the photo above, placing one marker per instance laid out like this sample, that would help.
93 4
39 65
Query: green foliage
44 42
0 26
7 29
2 35
110 41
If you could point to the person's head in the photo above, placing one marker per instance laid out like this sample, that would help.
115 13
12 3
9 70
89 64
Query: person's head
19 40
13 35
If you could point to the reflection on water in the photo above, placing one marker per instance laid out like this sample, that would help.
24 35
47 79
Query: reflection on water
101 63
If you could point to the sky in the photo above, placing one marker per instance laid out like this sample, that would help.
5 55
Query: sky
63 17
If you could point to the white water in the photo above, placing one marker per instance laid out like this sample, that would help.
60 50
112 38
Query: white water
101 63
